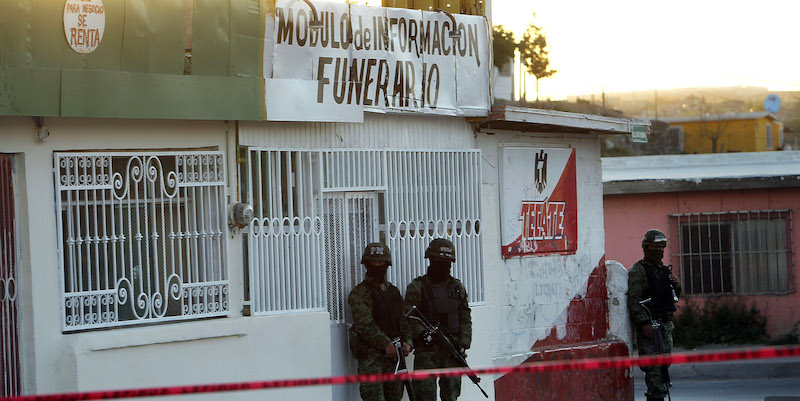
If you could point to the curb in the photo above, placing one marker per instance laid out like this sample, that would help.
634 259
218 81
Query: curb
755 369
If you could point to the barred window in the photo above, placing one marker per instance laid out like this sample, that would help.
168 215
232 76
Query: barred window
743 252
317 209
142 237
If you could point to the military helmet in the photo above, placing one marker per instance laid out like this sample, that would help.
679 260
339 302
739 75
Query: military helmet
377 252
654 237
441 248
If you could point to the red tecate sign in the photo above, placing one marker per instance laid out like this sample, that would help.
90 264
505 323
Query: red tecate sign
539 208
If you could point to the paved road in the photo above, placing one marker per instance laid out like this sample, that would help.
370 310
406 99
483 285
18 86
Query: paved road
731 390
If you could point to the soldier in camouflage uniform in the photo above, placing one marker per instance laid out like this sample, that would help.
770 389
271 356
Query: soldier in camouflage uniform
442 299
650 278
377 309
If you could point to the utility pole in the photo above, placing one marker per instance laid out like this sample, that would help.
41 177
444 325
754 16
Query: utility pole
604 96
525 87
513 81
521 80
656 104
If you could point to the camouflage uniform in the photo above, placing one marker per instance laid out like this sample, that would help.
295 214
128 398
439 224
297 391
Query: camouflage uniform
437 356
372 340
638 290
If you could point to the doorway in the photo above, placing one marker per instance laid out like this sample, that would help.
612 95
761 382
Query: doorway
352 221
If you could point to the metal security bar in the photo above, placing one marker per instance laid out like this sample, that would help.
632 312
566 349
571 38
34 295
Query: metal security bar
10 376
405 198
142 237
354 170
353 179
435 194
353 222
746 252
284 241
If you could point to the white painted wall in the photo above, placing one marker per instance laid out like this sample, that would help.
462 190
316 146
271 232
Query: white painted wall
527 297
503 82
229 349
378 131
619 325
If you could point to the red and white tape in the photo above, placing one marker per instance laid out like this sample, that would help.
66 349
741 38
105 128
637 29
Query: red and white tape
580 364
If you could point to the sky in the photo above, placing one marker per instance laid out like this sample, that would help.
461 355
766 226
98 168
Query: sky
626 45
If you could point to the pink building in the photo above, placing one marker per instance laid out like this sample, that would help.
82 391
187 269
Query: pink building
728 218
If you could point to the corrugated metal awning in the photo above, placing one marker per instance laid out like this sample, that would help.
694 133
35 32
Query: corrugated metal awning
541 120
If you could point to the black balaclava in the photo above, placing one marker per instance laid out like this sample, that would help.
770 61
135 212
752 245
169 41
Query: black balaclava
377 272
654 255
439 270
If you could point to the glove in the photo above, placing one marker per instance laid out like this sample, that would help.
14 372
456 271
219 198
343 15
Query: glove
427 337
463 352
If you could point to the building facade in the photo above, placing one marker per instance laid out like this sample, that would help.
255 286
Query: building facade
729 224
133 137
730 133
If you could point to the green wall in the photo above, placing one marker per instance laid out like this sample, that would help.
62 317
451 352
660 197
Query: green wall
140 69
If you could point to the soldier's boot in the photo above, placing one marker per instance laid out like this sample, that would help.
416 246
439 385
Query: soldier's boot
655 398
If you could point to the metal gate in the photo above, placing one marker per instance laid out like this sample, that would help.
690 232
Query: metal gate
9 318
316 209
351 221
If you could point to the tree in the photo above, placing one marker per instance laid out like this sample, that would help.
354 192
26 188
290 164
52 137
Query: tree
711 126
503 46
535 54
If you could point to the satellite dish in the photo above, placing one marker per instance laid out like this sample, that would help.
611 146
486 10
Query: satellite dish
772 103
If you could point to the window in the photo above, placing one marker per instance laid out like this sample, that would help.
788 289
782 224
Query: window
745 252
769 136
315 210
676 137
142 237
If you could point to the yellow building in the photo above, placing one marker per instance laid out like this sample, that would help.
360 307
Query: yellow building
734 132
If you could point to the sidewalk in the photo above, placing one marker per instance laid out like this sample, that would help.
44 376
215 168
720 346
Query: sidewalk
744 369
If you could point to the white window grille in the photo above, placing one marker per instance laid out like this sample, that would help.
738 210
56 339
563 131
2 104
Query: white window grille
142 237
744 252
10 372
284 248
404 198
435 194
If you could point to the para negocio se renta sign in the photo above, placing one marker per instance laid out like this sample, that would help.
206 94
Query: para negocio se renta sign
539 208
375 59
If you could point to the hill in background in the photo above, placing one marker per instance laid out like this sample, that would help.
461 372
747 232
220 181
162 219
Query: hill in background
695 101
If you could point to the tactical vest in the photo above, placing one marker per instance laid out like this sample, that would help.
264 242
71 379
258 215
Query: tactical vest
387 309
659 289
440 304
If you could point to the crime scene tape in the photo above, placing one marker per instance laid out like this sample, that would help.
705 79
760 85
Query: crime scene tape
576 364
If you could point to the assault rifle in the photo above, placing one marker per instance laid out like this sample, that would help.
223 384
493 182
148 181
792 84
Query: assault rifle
401 367
658 340
438 335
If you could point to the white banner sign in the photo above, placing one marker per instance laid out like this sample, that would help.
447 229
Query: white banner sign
376 59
